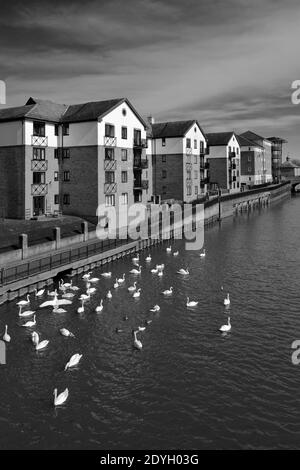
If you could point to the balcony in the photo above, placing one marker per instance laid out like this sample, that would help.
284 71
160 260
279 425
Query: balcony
39 165
110 188
145 184
39 189
234 178
110 165
110 141
40 141
202 166
233 166
137 183
188 151
140 163
141 143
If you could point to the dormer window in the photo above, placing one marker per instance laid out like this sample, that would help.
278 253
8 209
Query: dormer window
39 128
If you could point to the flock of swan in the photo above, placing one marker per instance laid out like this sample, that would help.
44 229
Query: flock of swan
68 292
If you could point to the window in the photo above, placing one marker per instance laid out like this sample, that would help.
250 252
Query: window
189 190
56 153
237 151
56 198
66 153
66 176
124 155
196 190
196 175
109 177
109 153
65 129
237 184
56 176
66 199
38 177
109 130
163 141
124 199
124 112
201 146
164 158
124 177
56 129
188 143
124 132
195 143
164 174
39 129
110 200
38 154
229 149
195 159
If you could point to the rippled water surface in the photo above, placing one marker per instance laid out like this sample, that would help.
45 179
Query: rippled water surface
189 387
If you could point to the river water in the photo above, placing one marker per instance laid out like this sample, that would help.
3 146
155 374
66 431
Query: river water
190 387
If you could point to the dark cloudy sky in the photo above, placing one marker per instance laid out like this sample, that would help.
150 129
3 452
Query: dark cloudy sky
228 63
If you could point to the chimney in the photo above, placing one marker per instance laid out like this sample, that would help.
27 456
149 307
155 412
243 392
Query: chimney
151 119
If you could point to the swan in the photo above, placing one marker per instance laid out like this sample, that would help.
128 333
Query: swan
160 273
61 398
68 295
30 323
66 332
73 361
53 293
169 249
75 288
141 328
94 279
168 291
61 285
116 284
6 336
85 297
35 338
121 280
132 288
154 271
148 322
136 271
22 303
28 313
137 294
136 259
156 308
67 285
100 307
176 253
55 302
202 255
42 345
91 290
109 295
81 309
59 310
39 293
106 274
148 258
137 343
160 266
222 288
191 303
226 327
87 276
185 272
227 300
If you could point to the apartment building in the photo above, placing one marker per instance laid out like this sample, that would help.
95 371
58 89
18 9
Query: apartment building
224 161
277 157
179 166
71 158
256 158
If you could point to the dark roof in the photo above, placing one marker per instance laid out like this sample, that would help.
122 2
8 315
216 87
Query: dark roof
90 111
244 142
253 136
172 128
277 140
218 138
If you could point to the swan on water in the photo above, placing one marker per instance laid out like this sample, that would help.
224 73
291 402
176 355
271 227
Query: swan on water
136 271
227 300
141 328
39 293
156 308
87 276
191 303
106 274
160 273
30 323
154 271
99 308
169 249
66 332
73 361
68 295
35 338
55 302
6 336
132 288
137 294
109 294
42 345
91 290
168 291
75 288
116 284
61 398
183 271
136 342
81 309
202 255
121 279
176 253
52 294
28 313
94 279
226 327
148 258
67 285
22 303
160 266
136 259
85 297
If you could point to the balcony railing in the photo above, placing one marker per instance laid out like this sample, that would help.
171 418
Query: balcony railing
140 143
188 151
110 188
39 189
39 165
110 141
41 141
110 165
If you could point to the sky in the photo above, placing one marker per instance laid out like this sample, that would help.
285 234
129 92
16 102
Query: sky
228 63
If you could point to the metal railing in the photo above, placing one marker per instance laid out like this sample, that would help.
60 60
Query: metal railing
140 143
110 165
110 188
110 141
39 189
39 165
41 141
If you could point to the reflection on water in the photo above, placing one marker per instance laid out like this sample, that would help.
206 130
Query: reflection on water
191 386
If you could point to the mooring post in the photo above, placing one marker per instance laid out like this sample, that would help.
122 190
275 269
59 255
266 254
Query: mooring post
85 230
23 241
56 235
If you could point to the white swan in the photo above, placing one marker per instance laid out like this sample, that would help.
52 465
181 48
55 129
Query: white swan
85 297
6 336
94 279
191 303
160 273
185 272
227 300
35 338
116 284
154 271
109 294
148 258
81 309
160 266
226 327
132 288
136 271
22 303
142 328
121 279
68 295
66 332
106 274
99 308
30 323
73 361
137 294
137 343
202 255
67 285
59 310
169 249
91 290
168 291
61 398
156 308
75 288
87 275
176 253
28 313
136 259
42 345
52 294
39 293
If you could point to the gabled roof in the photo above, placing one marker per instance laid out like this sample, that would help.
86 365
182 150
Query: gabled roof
244 142
219 138
253 136
172 128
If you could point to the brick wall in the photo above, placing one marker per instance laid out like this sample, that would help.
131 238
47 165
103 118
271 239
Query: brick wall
12 181
173 182
218 171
